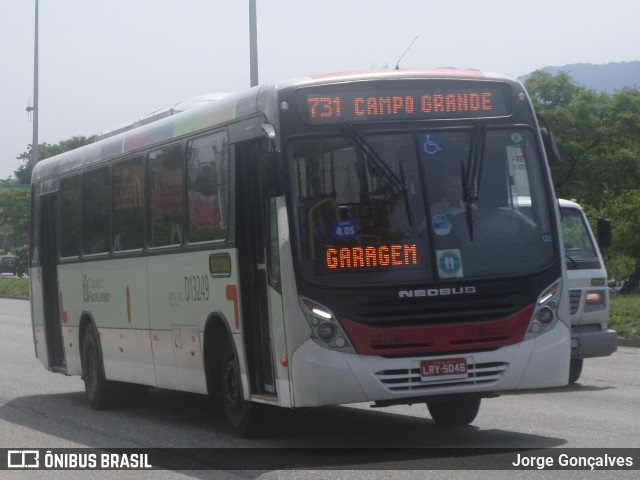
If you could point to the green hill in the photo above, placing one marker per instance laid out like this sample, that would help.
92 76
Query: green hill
608 77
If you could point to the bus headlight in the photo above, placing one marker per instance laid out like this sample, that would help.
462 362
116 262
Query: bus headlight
325 328
545 314
326 331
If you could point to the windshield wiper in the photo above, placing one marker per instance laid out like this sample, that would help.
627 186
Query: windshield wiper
395 183
574 262
471 174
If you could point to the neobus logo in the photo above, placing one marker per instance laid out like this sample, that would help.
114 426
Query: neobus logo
436 292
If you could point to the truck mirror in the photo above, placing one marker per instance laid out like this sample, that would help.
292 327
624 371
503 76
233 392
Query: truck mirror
605 237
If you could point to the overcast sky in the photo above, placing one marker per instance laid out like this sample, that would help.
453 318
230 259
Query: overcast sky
104 63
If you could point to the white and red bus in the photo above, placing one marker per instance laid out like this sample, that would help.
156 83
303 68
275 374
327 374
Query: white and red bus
330 240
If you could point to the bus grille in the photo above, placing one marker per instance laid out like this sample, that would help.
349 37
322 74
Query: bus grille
405 380
574 300
435 311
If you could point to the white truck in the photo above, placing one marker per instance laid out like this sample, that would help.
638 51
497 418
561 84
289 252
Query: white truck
588 288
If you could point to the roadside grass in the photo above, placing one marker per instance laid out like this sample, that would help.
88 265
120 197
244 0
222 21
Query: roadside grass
624 315
14 287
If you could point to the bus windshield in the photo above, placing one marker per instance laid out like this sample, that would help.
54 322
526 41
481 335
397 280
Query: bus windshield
423 205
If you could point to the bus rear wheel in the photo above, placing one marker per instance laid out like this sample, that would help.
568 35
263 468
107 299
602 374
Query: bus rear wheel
105 394
246 419
454 412
100 392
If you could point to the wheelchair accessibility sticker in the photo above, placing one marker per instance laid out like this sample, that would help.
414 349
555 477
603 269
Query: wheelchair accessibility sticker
431 143
449 263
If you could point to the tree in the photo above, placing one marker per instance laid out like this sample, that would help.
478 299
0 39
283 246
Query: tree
46 150
15 197
582 125
552 92
597 136
14 215
626 233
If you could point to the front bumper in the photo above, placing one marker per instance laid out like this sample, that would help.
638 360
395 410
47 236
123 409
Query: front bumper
325 377
588 341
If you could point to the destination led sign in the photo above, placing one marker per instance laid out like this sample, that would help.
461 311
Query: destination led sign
370 257
481 100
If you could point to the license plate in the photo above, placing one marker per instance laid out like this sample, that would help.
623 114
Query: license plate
442 369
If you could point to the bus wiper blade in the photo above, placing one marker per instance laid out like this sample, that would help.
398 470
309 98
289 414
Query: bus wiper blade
397 184
407 206
466 196
471 175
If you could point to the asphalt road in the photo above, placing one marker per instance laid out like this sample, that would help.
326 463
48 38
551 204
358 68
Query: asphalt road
39 409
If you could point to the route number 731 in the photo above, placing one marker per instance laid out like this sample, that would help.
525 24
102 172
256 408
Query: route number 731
324 107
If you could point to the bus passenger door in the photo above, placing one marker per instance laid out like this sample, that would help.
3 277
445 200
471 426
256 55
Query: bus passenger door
252 240
48 248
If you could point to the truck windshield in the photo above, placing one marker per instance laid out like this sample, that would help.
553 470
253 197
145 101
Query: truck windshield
578 246
424 205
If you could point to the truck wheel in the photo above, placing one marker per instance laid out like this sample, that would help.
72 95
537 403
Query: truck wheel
575 369
456 412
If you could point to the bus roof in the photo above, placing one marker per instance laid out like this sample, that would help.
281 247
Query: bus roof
388 74
163 126
210 110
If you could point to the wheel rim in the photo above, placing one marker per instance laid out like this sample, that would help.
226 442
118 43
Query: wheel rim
232 390
91 381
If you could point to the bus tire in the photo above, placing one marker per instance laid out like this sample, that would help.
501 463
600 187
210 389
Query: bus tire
454 412
575 369
100 392
246 419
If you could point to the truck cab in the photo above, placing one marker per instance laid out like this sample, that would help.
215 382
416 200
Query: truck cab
588 288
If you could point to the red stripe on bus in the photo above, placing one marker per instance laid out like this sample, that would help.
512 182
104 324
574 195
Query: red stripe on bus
232 295
64 316
443 338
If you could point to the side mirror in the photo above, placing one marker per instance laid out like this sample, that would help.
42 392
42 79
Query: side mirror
550 145
605 237
272 174
272 168
270 132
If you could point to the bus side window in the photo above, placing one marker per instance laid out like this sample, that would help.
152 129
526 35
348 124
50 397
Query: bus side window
164 179
128 205
70 216
35 225
207 188
96 211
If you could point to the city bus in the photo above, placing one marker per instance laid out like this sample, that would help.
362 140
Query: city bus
295 245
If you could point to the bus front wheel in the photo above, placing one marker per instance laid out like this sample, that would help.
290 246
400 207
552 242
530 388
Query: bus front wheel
454 412
575 369
247 419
